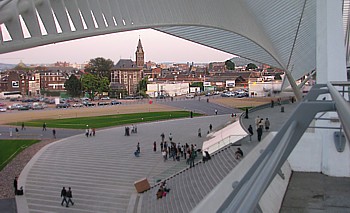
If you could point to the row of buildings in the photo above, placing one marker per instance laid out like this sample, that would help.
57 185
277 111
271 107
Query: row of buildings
164 79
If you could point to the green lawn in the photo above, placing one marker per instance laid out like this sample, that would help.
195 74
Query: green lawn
109 120
10 148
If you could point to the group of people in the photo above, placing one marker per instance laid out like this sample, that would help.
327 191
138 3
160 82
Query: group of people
90 131
176 151
133 130
163 190
66 196
260 123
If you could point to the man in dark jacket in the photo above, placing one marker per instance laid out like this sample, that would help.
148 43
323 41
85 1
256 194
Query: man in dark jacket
70 196
64 195
15 185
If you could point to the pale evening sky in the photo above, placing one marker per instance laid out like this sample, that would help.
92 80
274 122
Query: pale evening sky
158 47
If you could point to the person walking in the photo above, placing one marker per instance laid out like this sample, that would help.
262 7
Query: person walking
267 124
162 136
260 131
93 131
154 146
138 147
250 130
87 131
216 112
54 133
210 127
64 195
257 120
44 126
23 128
170 137
199 133
69 196
15 185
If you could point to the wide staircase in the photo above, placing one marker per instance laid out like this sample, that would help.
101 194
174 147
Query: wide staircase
189 186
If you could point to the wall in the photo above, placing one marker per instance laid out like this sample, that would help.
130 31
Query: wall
316 152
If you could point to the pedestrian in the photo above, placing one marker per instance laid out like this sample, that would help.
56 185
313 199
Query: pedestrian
261 123
164 155
161 146
199 132
191 114
10 130
162 136
90 132
250 130
64 195
267 124
93 132
246 113
70 196
154 146
138 147
210 127
260 131
54 133
170 137
15 185
216 112
16 129
87 131
257 120
44 126
272 103
239 153
23 128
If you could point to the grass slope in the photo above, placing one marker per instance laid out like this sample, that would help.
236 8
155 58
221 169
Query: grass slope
10 148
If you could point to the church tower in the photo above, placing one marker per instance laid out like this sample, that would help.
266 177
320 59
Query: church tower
140 55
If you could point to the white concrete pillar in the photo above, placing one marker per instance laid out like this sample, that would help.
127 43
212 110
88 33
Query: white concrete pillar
330 51
330 66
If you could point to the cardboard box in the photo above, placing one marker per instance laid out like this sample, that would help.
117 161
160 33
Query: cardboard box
142 185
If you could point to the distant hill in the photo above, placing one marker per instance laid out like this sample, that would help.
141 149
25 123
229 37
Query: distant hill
6 66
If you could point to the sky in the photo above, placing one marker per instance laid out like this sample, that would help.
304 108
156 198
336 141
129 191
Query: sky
158 47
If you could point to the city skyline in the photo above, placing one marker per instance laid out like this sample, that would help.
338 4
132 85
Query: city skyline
159 47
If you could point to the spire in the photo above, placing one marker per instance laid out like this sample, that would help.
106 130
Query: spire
139 46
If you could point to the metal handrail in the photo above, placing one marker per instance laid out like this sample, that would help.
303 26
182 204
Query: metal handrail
247 193
341 105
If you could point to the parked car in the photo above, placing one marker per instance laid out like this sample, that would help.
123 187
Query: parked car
114 102
88 104
63 105
77 105
14 106
24 107
105 98
37 106
190 95
102 103
2 109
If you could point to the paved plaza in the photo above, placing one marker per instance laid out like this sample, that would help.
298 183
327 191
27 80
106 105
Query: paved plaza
102 170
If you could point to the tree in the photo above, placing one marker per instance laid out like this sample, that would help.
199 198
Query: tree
102 85
73 86
142 87
251 66
100 67
230 65
90 84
